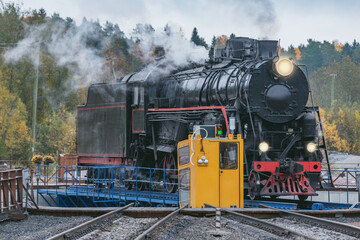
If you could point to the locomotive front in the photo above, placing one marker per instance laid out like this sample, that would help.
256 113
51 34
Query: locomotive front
282 139
281 133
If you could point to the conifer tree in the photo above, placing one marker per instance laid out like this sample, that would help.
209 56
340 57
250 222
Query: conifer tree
199 41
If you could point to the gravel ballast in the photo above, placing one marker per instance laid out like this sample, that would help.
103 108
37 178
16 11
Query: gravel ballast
187 227
38 227
123 228
309 229
180 227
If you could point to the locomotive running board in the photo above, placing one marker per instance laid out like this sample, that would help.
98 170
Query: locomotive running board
162 148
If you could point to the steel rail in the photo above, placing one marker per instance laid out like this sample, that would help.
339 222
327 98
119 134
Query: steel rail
269 227
159 223
332 225
64 234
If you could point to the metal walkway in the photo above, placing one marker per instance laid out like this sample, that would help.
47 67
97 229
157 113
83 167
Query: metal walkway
91 197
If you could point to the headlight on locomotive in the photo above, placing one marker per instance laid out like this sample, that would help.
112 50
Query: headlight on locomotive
284 67
264 147
311 147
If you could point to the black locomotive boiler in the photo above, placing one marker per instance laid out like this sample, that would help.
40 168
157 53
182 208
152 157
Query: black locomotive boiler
244 88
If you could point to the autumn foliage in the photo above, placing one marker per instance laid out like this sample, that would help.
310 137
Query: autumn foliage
221 40
14 132
298 53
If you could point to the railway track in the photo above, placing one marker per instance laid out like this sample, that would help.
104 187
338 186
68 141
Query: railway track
130 223
88 226
264 225
269 227
324 223
91 228
288 232
158 224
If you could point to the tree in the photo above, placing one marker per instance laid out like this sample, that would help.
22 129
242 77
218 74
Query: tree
93 36
57 133
232 35
356 55
221 40
69 22
167 30
199 41
213 41
11 26
329 53
297 53
18 79
346 82
14 134
289 53
37 17
347 121
56 18
311 54
141 29
347 50
333 140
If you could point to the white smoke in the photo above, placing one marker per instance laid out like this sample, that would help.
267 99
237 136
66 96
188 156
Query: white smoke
68 48
179 51
263 15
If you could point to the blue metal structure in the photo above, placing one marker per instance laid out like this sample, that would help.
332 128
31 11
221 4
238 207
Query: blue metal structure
107 186
330 206
279 205
90 197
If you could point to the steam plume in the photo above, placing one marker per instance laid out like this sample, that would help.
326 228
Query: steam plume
179 51
264 17
68 46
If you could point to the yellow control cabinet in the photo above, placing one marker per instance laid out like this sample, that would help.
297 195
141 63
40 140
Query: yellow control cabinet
211 172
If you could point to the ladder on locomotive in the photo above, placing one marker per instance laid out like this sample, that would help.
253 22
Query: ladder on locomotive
322 146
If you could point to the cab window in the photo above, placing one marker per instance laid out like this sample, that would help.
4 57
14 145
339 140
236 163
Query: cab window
228 155
183 155
184 188
138 96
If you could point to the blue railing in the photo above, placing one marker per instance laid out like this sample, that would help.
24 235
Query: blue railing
345 180
107 186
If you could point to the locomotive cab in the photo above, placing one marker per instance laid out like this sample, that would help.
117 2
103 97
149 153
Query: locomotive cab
102 126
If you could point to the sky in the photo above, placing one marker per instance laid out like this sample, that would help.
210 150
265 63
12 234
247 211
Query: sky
293 22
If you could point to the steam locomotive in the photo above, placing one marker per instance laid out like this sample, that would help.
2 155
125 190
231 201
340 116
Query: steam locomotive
244 88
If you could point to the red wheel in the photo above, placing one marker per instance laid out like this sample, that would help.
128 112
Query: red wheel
170 173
